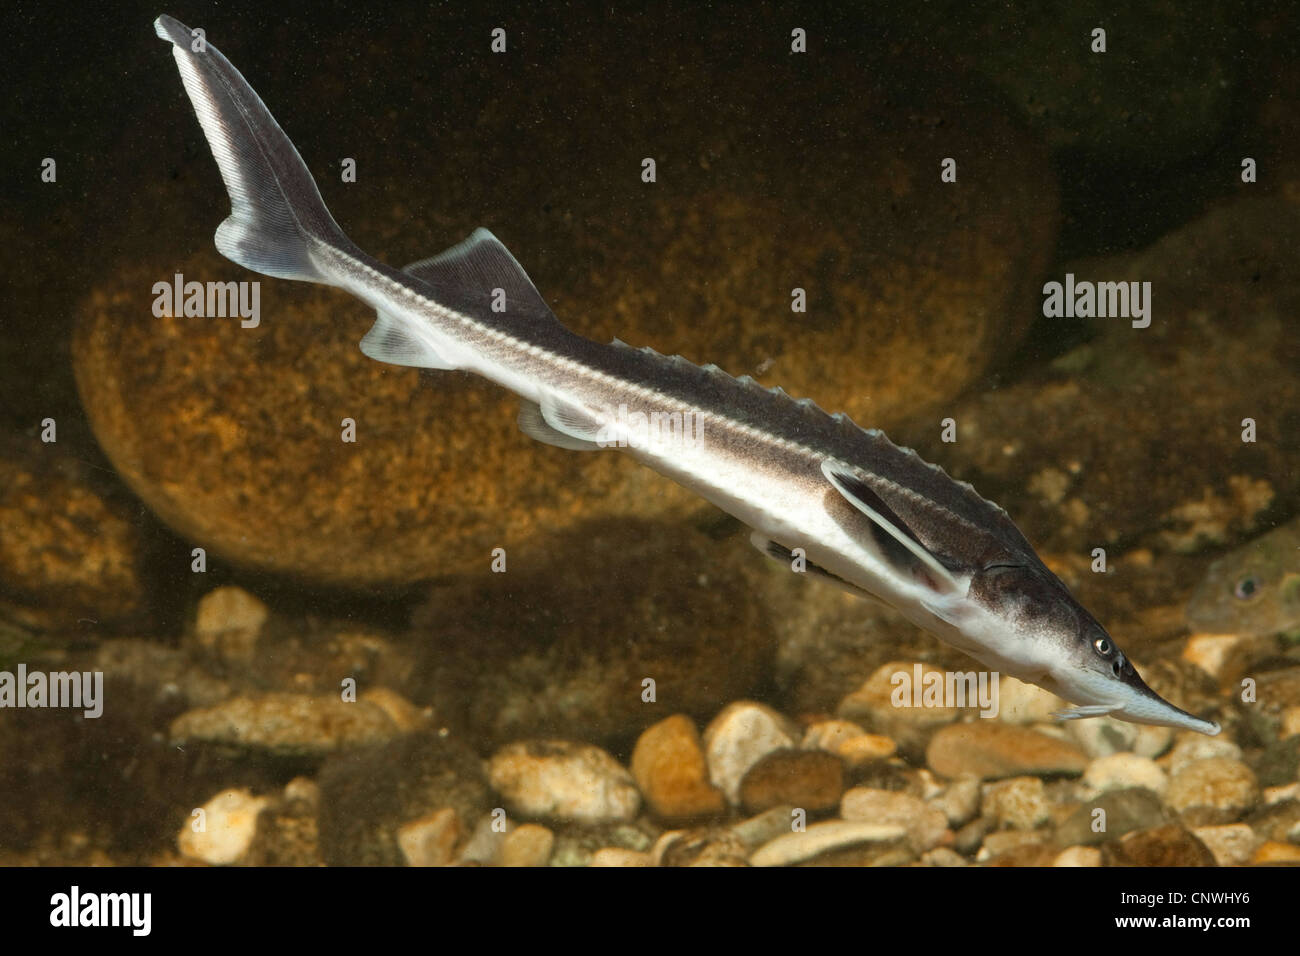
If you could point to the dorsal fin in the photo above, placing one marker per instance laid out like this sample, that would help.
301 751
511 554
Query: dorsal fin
897 540
466 277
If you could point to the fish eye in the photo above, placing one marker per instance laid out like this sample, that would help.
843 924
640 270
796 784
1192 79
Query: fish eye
1246 588
1104 646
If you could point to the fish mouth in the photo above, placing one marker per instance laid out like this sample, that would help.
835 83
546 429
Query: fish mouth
1142 705
1131 700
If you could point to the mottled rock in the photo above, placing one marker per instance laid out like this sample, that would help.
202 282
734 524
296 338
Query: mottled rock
809 779
70 554
1122 771
1169 845
740 736
1232 844
1019 803
562 643
821 838
223 833
287 831
1124 812
1212 791
368 795
528 845
561 780
1135 395
285 725
670 771
987 750
430 840
1278 763
926 827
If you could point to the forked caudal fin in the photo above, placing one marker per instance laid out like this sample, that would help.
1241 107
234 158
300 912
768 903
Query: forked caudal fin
277 215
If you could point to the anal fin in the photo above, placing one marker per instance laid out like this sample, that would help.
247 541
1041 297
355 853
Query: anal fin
389 340
532 422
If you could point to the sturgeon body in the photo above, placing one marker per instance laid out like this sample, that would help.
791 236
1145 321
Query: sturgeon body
815 488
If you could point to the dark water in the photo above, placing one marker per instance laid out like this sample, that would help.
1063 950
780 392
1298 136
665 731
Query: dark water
774 170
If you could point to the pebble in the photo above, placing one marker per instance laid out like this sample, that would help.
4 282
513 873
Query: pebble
406 717
1232 844
830 735
1078 856
847 740
486 843
1019 803
874 701
811 780
228 624
561 780
1125 811
739 737
1212 791
1290 723
1122 771
670 770
959 801
285 725
1190 746
988 750
1210 651
1102 736
866 748
528 844
822 838
764 827
617 856
943 856
431 840
1164 846
1271 851
1022 703
1005 841
369 794
926 827
706 846
229 823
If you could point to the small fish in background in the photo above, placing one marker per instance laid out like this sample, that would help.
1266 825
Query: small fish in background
1254 590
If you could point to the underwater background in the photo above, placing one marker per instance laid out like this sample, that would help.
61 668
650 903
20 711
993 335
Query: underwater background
346 675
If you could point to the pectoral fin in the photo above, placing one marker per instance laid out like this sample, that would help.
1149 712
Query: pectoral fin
899 542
